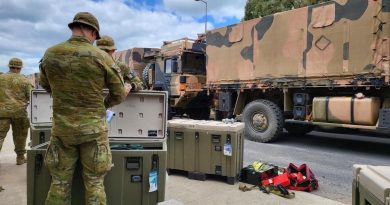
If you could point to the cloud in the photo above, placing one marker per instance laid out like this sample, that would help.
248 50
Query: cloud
219 10
28 28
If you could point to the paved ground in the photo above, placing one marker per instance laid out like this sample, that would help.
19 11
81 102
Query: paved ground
330 156
179 189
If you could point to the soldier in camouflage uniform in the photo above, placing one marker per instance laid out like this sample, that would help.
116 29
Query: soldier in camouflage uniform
107 44
14 97
75 73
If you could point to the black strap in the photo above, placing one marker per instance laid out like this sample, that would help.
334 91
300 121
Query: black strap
352 110
326 108
155 162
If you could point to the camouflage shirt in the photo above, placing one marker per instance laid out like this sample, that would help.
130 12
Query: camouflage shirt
14 95
76 72
129 76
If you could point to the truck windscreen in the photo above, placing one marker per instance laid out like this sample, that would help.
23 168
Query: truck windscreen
194 63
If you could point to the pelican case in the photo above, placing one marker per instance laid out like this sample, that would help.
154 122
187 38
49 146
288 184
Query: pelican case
139 153
207 147
371 185
41 114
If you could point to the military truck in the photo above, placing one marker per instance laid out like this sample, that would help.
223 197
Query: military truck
180 69
136 58
325 64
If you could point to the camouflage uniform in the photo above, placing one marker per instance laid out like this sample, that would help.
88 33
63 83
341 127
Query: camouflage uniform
106 43
75 73
130 77
14 96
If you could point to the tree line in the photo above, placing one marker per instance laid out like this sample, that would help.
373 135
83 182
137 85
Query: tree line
258 8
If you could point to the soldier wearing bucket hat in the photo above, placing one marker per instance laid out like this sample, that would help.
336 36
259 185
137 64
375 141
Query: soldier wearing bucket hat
107 44
76 72
14 97
86 19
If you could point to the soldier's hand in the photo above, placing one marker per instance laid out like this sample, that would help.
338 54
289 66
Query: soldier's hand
127 88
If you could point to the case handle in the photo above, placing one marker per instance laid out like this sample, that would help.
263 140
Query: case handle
216 139
179 135
133 163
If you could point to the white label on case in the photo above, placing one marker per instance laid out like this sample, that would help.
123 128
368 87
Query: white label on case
227 149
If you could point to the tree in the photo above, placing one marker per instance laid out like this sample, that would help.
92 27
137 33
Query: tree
258 8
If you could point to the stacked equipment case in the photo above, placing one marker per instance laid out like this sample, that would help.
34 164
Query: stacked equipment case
371 185
137 140
206 147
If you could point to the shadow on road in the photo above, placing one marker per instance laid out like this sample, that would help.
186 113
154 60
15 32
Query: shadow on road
352 140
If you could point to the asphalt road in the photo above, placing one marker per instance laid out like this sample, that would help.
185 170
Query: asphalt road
329 155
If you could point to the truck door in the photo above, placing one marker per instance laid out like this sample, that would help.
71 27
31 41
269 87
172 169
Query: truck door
170 72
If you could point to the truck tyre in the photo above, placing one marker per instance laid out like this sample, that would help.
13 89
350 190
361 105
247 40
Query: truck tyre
298 129
263 121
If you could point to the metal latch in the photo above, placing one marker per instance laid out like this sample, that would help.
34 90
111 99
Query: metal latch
38 163
228 139
41 137
197 136
218 170
155 162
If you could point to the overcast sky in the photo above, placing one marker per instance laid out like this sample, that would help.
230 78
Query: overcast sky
29 27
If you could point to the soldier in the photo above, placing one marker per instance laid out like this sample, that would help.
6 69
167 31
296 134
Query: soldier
75 73
14 97
107 44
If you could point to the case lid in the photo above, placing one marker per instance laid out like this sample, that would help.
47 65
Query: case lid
206 125
41 107
375 179
143 115
182 123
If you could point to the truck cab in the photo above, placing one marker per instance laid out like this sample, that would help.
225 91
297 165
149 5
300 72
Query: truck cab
180 69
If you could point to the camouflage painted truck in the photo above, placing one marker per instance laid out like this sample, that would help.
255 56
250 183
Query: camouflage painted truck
325 64
136 58
180 68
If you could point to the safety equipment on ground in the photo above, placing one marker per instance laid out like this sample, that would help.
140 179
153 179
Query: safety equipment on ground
301 178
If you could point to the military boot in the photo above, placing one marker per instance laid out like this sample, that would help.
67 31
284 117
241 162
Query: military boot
20 159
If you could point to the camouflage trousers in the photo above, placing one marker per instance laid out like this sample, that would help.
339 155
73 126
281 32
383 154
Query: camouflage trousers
61 158
19 131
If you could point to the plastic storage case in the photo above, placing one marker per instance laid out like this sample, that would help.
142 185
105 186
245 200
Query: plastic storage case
41 114
206 147
371 185
137 138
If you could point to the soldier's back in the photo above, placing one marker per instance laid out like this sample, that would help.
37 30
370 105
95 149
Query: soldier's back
14 94
75 70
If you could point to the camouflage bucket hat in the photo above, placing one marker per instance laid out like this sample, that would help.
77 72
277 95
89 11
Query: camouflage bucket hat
87 19
15 63
106 43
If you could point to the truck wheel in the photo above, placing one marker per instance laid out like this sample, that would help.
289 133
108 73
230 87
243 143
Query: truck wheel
298 129
263 121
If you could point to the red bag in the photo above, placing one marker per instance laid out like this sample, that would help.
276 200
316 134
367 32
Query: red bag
302 178
282 179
